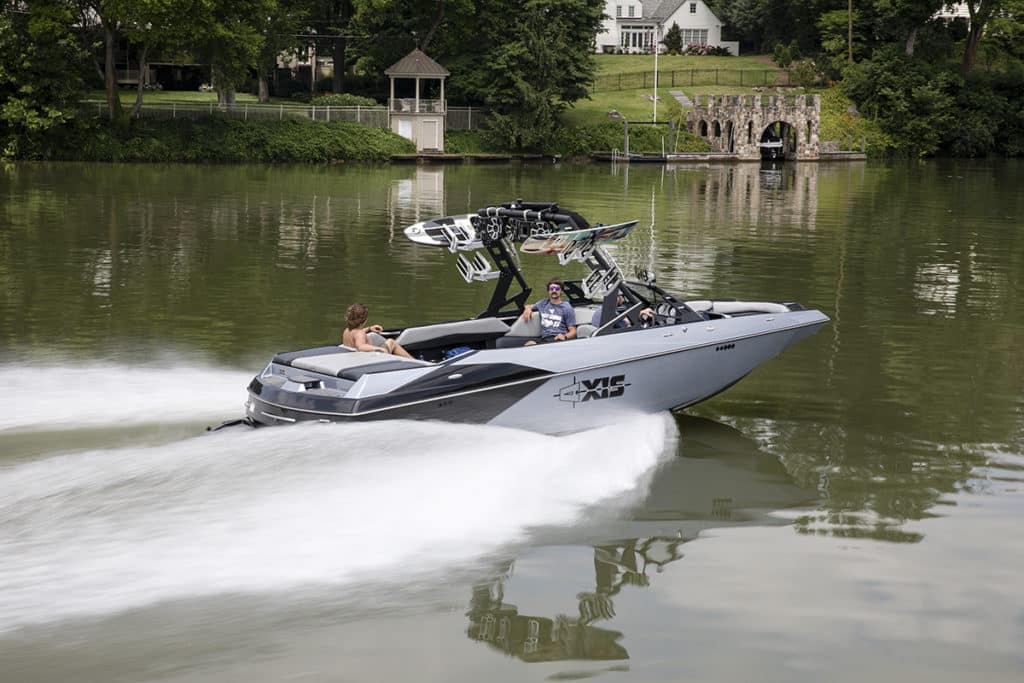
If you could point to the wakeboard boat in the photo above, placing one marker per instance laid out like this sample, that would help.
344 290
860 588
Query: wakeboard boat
480 370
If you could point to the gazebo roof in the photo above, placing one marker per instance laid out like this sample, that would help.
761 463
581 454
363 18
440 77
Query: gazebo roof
414 64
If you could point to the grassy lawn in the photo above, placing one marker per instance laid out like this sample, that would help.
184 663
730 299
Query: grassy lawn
614 64
636 105
128 96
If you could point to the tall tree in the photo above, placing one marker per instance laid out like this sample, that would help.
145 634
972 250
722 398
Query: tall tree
229 39
40 78
901 20
528 76
279 31
106 13
331 19
980 12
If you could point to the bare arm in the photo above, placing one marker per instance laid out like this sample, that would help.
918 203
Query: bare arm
360 341
571 334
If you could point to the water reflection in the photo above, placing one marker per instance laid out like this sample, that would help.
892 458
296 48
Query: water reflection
719 478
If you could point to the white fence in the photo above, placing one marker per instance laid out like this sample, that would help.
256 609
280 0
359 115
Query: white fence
458 118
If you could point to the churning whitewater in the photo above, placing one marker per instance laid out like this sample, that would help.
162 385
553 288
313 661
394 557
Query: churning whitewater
280 509
56 397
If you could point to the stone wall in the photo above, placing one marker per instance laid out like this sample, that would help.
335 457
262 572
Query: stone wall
733 124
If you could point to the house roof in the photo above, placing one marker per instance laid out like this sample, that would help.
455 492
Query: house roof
416 63
660 10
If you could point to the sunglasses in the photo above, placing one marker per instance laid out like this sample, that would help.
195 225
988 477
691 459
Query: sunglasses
554 288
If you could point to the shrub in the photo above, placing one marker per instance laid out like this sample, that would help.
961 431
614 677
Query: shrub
804 73
231 140
343 100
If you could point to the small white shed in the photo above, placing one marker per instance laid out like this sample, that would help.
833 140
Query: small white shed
417 107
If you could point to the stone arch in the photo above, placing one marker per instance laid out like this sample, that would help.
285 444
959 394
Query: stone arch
702 128
781 131
729 146
718 129
750 132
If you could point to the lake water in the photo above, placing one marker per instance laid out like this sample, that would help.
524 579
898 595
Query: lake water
851 511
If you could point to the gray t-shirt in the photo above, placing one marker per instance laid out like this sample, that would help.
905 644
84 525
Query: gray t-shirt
554 318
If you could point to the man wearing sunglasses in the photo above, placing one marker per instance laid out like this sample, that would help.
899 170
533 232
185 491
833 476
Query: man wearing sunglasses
557 319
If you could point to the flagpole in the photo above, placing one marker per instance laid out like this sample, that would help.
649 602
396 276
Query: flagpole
657 30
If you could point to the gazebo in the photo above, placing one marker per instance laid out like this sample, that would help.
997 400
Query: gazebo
418 113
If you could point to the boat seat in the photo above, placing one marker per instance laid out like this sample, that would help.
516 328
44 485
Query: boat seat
522 331
341 360
288 357
736 307
448 334
387 366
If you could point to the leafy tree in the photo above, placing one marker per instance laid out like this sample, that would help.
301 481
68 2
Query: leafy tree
834 27
39 75
332 19
150 25
279 31
980 12
901 20
529 76
916 107
229 38
673 40
784 55
390 29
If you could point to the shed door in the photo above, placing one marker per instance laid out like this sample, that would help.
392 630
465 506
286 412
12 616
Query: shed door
428 135
405 128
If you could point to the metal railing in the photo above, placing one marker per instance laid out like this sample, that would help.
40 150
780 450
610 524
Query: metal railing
458 118
421 106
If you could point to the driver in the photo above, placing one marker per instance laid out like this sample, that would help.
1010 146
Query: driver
557 319
646 315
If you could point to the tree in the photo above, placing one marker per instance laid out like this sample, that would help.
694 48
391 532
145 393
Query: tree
228 38
530 75
39 75
980 12
279 31
106 14
673 40
332 19
150 25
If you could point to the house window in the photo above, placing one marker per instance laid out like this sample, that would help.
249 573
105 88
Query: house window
694 35
693 8
618 10
632 9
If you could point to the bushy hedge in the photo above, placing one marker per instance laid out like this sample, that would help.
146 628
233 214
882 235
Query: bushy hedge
343 100
228 140
609 135
841 123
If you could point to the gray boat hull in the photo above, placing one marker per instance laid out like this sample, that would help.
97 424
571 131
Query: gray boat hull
551 388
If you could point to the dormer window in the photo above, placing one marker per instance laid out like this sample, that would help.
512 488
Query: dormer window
693 8
632 9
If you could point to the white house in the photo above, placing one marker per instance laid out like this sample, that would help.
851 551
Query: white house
636 26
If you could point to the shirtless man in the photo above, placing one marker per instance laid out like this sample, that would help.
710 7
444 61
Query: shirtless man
356 329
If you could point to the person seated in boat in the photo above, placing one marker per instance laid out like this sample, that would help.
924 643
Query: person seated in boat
646 315
356 329
557 319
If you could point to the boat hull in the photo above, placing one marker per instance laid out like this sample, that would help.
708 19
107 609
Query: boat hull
554 388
